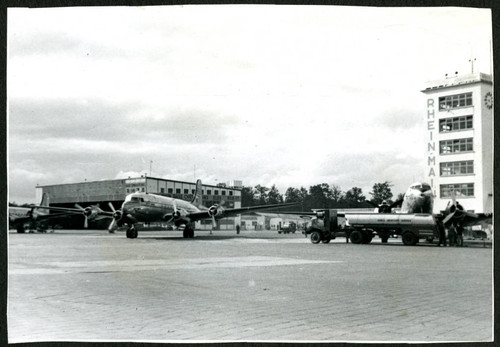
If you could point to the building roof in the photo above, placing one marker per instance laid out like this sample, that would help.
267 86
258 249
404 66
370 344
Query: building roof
138 178
457 80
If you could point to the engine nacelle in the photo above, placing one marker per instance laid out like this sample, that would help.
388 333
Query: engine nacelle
215 210
117 215
91 212
175 215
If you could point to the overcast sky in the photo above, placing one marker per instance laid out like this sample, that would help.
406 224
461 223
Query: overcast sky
285 95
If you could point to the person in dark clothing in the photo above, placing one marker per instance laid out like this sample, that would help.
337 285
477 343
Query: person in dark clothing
460 233
442 235
237 228
452 235
384 207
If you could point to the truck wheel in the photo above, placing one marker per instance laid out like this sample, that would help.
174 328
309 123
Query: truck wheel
367 238
326 240
409 239
356 237
315 237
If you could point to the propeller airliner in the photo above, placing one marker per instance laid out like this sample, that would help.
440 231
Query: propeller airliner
146 207
34 215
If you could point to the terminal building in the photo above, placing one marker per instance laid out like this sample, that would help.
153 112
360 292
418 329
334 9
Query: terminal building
115 191
459 141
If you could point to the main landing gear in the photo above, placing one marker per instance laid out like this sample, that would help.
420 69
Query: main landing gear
188 232
132 232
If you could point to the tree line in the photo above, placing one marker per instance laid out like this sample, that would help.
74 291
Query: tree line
318 196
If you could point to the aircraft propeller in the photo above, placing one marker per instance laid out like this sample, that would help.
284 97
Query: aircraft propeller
90 213
86 222
213 211
175 214
456 211
117 215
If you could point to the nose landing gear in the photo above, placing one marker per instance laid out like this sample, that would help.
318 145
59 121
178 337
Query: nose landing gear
132 232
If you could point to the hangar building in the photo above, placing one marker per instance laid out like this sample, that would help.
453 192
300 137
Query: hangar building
459 141
115 191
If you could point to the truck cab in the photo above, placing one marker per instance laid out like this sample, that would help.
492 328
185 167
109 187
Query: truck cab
325 226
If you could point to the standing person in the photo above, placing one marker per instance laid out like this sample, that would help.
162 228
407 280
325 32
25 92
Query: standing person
452 235
237 228
442 235
460 233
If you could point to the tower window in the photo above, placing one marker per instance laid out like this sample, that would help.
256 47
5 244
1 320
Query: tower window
460 189
455 146
455 101
455 124
457 168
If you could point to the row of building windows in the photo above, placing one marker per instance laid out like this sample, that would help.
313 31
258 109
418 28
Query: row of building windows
186 191
135 190
178 191
459 189
455 124
457 168
455 101
456 146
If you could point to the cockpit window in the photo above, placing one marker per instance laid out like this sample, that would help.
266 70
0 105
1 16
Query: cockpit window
136 199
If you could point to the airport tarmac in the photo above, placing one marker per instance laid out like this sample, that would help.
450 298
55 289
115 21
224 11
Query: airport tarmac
256 286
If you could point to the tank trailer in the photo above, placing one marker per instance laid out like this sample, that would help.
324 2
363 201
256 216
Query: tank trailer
360 228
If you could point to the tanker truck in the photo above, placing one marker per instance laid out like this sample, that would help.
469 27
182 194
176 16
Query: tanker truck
360 228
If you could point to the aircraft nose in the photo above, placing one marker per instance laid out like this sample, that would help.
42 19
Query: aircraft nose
425 188
125 208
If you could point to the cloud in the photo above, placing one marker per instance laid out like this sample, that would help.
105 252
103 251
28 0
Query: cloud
303 97
81 122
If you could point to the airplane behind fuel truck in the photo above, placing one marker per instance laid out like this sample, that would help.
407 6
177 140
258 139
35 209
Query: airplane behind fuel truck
414 223
360 228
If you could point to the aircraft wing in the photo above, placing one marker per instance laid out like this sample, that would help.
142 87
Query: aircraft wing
474 219
466 218
26 219
236 211
72 210
222 213
396 203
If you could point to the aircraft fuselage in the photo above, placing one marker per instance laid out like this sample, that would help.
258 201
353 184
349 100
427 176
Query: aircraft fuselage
142 207
418 199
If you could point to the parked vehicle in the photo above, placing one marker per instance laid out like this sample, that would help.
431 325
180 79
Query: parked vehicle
287 227
360 228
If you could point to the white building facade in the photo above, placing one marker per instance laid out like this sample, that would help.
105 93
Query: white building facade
459 141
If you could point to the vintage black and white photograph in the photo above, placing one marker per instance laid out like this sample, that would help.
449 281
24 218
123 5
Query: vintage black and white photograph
250 173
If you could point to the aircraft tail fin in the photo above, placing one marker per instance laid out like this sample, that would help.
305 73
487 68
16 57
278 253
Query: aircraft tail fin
42 211
197 199
45 200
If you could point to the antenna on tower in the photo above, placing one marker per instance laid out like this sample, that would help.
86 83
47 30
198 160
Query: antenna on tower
471 61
